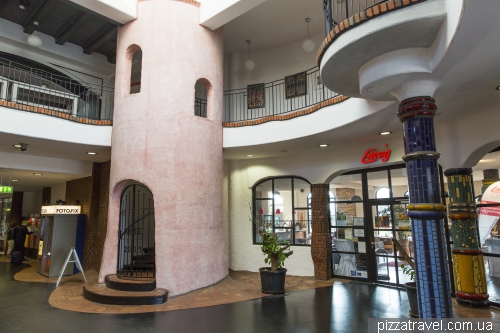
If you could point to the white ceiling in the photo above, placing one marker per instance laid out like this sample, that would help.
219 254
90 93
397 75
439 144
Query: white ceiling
273 23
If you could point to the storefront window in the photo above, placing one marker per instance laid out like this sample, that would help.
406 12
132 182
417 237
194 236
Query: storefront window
280 206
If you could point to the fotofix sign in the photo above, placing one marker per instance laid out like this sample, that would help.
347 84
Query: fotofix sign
372 155
58 210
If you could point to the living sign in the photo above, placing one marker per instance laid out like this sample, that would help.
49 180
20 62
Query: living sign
372 155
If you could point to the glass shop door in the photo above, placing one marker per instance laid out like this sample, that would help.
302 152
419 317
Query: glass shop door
387 193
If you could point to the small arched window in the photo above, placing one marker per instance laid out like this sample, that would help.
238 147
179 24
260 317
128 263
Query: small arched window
201 98
135 70
383 193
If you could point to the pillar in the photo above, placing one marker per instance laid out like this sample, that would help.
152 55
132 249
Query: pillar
426 212
468 263
159 142
321 239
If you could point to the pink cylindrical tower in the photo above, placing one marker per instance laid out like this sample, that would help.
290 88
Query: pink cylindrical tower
160 142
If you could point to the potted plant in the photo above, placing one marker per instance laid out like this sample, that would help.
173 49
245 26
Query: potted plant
411 287
275 251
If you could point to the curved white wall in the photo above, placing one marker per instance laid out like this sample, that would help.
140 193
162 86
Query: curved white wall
316 167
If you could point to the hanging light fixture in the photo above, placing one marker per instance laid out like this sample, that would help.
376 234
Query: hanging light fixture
34 39
278 211
249 64
308 45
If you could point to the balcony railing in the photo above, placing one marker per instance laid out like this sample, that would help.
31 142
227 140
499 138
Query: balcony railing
28 86
336 11
275 98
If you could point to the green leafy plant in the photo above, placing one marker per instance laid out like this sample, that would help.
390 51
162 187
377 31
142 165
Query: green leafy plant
408 270
274 250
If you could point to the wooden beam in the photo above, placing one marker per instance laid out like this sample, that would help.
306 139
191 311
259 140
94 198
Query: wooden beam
38 14
71 26
100 38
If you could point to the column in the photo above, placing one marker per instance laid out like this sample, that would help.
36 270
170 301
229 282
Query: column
426 212
468 263
321 239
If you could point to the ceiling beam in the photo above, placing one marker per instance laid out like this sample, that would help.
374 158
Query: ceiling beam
38 13
100 38
71 26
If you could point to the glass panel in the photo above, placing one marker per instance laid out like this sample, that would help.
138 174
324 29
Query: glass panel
399 182
301 191
347 188
382 217
376 181
283 205
302 223
264 190
349 256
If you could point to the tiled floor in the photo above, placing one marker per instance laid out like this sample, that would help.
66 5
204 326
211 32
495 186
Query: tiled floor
234 305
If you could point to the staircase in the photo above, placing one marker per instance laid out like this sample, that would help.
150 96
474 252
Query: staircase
126 291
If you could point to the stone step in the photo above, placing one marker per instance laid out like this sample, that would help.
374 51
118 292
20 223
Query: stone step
101 294
130 284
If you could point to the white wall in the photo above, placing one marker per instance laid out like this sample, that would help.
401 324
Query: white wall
32 203
57 192
316 167
270 64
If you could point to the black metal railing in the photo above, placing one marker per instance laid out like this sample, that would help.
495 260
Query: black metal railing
200 107
336 11
274 98
34 87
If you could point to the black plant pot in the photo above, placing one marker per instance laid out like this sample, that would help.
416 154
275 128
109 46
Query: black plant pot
411 291
272 282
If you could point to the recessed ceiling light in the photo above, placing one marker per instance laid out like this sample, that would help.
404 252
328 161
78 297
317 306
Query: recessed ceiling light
497 88
91 153
17 145
323 145
22 7
385 133
14 180
37 174
249 155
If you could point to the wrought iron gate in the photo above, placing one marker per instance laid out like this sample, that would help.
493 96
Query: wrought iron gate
136 238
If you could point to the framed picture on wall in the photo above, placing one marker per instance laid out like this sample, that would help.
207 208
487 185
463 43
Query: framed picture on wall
295 85
256 96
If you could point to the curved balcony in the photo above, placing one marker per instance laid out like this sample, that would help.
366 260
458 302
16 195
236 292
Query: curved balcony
373 46
278 100
34 90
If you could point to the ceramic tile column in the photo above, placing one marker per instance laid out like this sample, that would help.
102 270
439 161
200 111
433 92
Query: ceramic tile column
426 212
468 263
321 239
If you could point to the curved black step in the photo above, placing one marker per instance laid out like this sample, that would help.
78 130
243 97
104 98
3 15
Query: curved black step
135 285
101 294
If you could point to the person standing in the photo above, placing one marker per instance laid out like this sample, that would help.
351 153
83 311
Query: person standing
19 238
10 239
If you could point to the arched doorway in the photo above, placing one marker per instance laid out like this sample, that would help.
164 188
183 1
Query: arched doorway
136 241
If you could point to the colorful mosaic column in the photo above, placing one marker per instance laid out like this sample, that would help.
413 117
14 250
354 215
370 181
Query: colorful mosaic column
432 276
321 239
468 263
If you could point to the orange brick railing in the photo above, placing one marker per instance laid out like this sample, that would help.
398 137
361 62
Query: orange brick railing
58 114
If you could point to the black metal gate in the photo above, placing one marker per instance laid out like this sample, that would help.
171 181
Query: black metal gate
136 238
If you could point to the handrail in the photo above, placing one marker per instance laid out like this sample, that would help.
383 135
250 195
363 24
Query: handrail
276 97
36 88
337 11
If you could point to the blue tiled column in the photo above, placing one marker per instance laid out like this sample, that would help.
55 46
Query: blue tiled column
426 212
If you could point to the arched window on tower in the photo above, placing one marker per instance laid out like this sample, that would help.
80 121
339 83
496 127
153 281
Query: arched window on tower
201 97
136 70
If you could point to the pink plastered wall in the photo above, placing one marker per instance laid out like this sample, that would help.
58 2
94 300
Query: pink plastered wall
158 141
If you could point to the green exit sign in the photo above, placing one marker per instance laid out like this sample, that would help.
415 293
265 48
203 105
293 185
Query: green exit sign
6 189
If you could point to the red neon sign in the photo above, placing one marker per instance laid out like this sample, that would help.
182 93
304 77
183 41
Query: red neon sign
372 155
